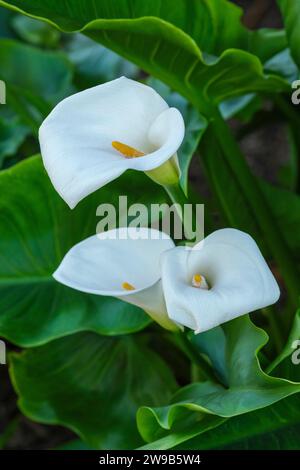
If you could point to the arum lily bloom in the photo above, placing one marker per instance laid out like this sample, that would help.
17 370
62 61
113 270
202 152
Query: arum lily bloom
94 136
122 263
220 278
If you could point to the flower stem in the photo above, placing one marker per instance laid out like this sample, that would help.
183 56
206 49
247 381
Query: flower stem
177 196
196 358
257 202
274 328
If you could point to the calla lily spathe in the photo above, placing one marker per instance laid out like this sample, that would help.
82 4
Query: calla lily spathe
235 280
123 263
220 278
94 136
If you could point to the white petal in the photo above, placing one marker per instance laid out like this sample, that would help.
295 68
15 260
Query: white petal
236 271
100 265
152 301
76 138
165 134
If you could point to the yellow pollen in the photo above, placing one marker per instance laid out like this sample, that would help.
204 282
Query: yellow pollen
126 150
199 281
127 286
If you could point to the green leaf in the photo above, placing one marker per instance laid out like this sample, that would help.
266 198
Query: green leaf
288 173
283 364
244 387
276 427
5 18
35 32
92 385
286 209
169 43
76 444
94 64
35 80
44 73
285 205
8 432
37 229
232 203
218 27
234 106
282 64
12 135
290 10
195 126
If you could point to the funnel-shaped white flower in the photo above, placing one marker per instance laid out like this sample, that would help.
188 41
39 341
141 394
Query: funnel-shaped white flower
220 278
122 263
94 136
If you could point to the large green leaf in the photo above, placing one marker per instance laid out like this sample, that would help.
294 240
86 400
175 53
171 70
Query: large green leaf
283 364
290 10
232 203
218 27
5 19
276 427
243 386
35 79
37 229
284 204
282 64
169 42
95 64
93 385
34 72
35 32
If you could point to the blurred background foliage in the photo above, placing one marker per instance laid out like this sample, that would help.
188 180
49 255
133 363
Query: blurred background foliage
41 66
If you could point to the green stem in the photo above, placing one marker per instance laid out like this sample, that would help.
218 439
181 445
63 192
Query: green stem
177 196
193 354
257 202
275 328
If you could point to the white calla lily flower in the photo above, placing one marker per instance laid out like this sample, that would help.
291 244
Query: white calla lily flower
122 263
94 136
222 277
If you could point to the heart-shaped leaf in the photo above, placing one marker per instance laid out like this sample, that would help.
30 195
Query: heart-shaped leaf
35 80
243 386
93 385
276 427
95 64
37 229
169 43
